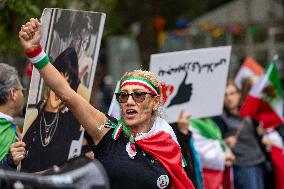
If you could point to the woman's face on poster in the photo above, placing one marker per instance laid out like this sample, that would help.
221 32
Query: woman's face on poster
53 101
84 41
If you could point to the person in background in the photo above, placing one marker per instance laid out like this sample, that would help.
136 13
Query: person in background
192 162
216 158
273 146
12 151
273 139
242 139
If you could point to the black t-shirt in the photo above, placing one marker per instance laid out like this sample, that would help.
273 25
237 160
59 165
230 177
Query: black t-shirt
40 157
142 172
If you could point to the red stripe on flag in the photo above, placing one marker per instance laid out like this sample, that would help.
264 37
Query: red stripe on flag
228 182
260 111
253 66
212 179
162 147
277 156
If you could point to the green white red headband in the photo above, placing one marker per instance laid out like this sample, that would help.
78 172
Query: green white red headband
141 82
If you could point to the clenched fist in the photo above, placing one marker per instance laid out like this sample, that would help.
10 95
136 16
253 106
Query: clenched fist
30 34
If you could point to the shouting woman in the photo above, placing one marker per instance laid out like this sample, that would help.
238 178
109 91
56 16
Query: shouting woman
138 151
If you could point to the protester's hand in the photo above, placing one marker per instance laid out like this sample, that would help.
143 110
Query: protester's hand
231 141
17 151
90 155
30 34
183 122
260 130
267 142
229 158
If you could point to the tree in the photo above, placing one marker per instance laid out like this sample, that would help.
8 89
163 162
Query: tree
121 14
14 13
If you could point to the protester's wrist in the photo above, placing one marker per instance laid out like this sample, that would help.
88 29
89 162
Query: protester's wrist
183 130
30 48
37 57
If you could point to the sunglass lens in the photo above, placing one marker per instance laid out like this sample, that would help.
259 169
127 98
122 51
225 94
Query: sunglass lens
138 96
122 97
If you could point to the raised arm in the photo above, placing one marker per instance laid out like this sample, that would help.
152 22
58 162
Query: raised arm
87 115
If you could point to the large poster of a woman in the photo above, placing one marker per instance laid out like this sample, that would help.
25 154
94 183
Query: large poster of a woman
51 132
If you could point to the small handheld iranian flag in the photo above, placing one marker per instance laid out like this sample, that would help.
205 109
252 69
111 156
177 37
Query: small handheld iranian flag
210 146
249 68
265 103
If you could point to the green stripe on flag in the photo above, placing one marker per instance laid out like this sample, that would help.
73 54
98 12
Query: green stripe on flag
274 78
207 128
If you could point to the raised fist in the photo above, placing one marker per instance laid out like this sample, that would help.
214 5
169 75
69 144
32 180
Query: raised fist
30 34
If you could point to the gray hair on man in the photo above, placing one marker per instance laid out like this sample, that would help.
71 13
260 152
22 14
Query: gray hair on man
8 81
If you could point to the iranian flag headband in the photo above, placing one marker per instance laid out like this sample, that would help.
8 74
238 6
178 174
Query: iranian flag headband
141 82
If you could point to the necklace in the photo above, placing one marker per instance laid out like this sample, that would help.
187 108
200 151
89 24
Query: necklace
47 130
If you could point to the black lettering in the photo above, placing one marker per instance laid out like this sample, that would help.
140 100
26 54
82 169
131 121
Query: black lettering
192 67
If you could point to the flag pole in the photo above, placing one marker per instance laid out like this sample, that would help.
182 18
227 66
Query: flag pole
240 128
275 59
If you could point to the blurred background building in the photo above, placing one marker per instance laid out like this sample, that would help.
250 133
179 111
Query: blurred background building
253 28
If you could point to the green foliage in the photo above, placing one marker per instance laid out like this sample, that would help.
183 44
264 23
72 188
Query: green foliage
121 14
14 13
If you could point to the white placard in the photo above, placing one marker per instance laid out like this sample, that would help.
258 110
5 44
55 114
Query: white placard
194 81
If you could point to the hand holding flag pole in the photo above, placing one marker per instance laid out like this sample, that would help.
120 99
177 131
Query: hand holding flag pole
240 128
232 140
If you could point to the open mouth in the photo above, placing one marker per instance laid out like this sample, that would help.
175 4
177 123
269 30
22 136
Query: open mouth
131 112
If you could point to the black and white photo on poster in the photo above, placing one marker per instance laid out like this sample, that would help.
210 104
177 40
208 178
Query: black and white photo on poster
52 134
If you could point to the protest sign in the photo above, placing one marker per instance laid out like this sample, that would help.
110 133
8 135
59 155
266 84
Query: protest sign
193 81
52 134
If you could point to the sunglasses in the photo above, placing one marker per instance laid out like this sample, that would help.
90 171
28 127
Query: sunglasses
136 96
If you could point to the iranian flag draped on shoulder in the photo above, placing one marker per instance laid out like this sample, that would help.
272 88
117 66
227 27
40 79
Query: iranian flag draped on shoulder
265 103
